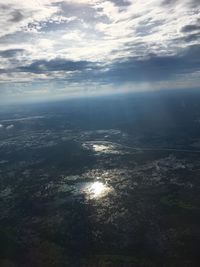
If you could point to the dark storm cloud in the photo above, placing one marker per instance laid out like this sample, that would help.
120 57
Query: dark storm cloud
59 64
11 53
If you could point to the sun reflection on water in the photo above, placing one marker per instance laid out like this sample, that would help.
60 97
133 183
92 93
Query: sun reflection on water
97 190
100 148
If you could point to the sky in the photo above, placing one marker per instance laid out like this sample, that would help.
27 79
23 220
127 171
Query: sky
55 48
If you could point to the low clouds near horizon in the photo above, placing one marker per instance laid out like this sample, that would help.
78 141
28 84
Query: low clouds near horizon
53 47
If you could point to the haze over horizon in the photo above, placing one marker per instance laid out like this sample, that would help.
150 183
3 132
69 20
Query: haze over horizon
55 48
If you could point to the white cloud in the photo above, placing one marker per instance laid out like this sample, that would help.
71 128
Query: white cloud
91 30
143 21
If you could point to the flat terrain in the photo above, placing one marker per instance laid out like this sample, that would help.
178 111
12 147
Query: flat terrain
101 182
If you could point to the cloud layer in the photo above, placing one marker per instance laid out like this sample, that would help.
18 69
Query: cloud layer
54 46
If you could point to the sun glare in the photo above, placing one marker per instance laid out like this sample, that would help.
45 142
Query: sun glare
97 190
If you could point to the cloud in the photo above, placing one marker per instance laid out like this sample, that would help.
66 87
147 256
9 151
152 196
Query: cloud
17 16
121 2
155 67
57 64
194 37
169 2
10 52
132 69
194 3
190 28
97 41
